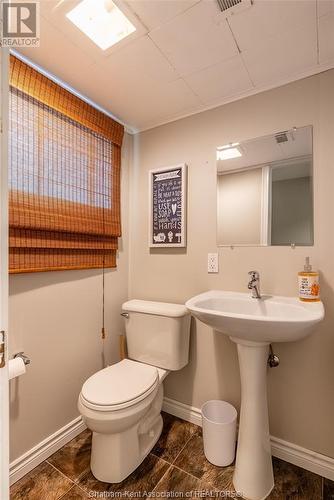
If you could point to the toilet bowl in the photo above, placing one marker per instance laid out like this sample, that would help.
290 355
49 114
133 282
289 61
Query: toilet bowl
122 406
122 403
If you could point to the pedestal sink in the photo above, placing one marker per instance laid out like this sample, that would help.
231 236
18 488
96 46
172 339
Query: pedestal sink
253 324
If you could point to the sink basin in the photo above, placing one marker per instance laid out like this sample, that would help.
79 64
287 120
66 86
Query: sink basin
253 324
269 319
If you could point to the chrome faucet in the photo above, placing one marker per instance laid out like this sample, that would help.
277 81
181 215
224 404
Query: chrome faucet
254 284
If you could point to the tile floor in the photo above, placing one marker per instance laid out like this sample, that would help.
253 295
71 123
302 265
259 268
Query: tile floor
176 466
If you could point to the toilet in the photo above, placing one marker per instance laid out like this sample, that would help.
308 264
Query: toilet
122 403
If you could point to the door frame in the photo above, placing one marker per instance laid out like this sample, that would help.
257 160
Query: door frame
4 383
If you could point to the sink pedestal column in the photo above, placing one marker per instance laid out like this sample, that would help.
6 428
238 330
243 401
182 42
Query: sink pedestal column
253 476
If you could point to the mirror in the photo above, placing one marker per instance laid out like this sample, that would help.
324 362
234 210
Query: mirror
265 190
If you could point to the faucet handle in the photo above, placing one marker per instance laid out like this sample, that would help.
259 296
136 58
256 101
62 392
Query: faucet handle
254 275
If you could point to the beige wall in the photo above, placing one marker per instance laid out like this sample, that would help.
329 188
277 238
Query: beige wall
56 319
301 395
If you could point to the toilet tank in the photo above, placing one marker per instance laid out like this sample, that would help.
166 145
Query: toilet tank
157 333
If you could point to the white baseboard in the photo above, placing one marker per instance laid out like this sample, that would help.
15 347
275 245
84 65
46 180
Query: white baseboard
186 412
29 460
292 453
307 459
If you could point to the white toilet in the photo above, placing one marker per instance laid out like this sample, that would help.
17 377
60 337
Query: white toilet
122 404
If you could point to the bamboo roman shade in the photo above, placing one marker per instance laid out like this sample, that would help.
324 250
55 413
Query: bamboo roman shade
64 177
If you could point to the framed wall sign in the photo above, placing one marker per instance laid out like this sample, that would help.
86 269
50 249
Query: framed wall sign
168 202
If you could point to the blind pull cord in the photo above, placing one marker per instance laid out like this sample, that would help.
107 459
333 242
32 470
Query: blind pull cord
103 332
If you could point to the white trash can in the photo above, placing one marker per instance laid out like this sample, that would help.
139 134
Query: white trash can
219 420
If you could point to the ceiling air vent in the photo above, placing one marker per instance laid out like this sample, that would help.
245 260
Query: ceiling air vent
281 137
230 7
227 4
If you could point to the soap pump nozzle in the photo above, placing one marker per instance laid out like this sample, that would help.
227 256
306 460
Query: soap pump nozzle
307 266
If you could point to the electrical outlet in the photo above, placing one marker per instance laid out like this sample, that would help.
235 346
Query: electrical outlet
212 263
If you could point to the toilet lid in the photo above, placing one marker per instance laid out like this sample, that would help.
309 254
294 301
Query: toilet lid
120 383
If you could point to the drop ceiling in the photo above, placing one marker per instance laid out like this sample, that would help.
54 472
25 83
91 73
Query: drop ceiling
187 56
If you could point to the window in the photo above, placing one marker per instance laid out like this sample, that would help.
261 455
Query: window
64 178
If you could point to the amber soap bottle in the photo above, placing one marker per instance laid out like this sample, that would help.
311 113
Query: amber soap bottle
308 282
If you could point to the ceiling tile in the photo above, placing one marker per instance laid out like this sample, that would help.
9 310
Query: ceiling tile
138 100
325 7
140 59
268 18
155 13
222 80
50 54
196 39
326 38
282 57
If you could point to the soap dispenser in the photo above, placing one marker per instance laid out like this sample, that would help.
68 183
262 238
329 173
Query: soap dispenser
308 281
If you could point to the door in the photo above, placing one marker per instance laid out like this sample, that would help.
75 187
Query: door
4 398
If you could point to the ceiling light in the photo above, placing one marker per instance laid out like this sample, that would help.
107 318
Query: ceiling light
228 152
102 21
227 146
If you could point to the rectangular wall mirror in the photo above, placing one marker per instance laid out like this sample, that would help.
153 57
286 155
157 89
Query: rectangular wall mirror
265 190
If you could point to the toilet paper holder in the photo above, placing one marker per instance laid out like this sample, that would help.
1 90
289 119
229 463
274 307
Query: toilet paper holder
25 358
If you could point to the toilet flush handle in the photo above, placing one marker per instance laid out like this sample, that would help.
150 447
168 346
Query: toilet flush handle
125 315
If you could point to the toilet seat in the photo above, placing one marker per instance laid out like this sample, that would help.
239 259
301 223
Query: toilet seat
119 386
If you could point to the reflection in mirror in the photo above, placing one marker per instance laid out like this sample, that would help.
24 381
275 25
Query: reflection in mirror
265 190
